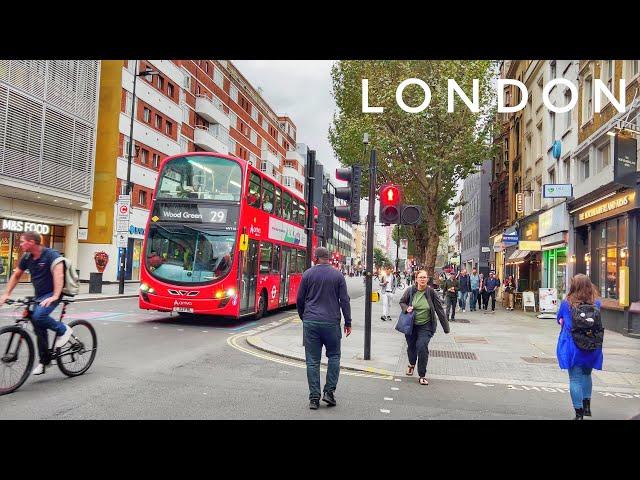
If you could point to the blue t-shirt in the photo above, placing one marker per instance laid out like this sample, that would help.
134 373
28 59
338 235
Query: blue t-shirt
40 270
569 355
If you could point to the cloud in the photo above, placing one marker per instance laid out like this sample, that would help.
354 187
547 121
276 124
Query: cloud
300 89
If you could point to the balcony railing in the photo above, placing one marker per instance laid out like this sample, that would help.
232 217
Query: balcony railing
211 109
212 139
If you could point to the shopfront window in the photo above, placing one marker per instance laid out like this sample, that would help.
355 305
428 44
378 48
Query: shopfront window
611 255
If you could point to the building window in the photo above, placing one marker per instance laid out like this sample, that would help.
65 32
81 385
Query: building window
170 89
630 69
567 170
147 115
184 145
144 156
185 114
142 198
169 128
156 160
567 117
603 156
552 176
553 125
607 73
158 121
206 67
553 69
584 167
587 111
217 77
611 240
160 83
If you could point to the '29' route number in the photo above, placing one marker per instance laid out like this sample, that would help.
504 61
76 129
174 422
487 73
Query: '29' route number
218 216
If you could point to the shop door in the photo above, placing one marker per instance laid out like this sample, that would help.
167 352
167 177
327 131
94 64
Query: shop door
284 276
16 255
5 256
134 249
249 278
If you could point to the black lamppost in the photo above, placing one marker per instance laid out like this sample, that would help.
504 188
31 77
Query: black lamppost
148 73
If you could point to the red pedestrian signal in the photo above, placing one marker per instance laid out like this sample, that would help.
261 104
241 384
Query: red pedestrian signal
390 198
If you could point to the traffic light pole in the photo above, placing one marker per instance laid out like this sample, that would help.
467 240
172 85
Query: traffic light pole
369 273
398 248
311 168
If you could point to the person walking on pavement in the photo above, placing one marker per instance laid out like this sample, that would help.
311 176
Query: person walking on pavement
474 282
321 296
451 288
424 301
387 289
465 289
490 285
482 294
510 291
48 281
580 362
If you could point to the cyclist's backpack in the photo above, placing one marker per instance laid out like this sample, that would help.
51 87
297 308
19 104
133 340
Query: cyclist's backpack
586 327
71 281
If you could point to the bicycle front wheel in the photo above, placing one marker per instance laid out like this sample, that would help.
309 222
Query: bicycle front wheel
16 358
76 356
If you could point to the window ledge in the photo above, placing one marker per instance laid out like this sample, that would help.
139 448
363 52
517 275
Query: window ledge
566 132
610 304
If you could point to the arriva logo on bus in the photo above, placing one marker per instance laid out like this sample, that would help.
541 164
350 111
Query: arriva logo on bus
20 226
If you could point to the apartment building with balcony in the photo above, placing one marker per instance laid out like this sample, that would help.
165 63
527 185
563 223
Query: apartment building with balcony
48 121
189 105
605 210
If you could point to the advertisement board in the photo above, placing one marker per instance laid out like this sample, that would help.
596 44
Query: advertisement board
548 300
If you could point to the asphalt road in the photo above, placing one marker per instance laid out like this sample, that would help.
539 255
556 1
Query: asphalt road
155 366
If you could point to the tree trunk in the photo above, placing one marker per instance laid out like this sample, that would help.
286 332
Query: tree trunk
431 248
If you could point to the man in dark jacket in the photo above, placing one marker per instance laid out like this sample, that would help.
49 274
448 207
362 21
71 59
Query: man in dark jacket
451 287
321 296
465 288
491 284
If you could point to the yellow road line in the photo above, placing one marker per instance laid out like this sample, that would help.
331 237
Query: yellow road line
232 341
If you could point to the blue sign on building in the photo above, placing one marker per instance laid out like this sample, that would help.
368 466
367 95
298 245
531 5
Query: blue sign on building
510 238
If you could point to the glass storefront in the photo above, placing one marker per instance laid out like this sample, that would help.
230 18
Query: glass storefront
611 242
10 253
555 270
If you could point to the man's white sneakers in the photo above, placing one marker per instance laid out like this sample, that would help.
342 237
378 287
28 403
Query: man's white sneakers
64 338
39 370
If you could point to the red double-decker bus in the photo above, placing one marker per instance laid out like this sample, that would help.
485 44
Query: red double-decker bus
222 239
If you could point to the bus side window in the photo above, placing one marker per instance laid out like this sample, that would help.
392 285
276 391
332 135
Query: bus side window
286 206
254 190
277 210
302 256
293 264
266 249
267 196
275 266
302 218
294 215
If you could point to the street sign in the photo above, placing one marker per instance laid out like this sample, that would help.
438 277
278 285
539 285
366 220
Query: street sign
510 239
122 240
123 211
83 233
486 249
557 190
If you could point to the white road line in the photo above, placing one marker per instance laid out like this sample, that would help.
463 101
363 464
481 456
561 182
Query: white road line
382 410
181 329
395 388
155 328
205 331
388 399
398 379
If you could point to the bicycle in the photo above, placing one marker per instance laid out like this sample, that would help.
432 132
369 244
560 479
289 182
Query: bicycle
83 344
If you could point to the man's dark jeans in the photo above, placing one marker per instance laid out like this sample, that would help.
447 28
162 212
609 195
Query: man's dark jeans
418 346
451 303
42 322
315 336
475 298
493 300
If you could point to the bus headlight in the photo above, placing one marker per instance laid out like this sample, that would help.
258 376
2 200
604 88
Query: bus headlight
231 292
219 294
151 290
144 287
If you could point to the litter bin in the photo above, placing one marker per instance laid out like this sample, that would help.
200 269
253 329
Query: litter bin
95 282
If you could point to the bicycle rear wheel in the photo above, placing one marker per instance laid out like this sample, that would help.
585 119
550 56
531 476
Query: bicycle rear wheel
16 358
77 355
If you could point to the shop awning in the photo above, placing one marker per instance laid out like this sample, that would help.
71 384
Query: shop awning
518 256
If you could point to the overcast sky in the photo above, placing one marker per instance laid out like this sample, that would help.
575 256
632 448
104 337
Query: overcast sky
300 89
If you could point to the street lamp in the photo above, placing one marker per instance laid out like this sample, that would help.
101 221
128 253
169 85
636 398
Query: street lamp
148 74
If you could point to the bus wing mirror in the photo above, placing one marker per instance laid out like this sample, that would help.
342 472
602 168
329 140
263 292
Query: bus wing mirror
244 242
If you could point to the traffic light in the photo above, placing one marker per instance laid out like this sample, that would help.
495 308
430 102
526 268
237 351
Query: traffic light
410 214
390 205
350 193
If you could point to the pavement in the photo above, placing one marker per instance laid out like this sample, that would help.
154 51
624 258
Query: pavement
109 291
506 347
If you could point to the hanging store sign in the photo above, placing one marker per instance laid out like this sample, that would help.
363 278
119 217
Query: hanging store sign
625 156
531 245
509 239
22 226
607 208
557 190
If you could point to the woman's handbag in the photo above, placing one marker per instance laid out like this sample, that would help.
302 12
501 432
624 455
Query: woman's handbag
405 322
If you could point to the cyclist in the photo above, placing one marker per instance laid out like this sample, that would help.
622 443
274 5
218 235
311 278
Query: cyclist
48 290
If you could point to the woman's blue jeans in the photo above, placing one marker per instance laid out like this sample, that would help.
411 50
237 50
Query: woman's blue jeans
579 384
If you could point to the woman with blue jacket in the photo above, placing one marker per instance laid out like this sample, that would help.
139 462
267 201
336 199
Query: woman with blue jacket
570 357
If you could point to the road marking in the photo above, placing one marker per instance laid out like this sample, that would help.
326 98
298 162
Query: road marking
155 328
398 379
382 410
181 329
232 341
480 384
529 388
204 393
205 331
395 388
388 399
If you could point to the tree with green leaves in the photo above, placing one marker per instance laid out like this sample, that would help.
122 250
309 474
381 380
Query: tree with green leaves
427 153
380 258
